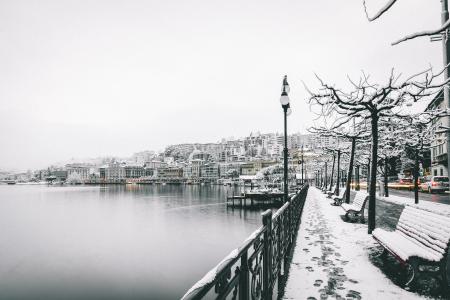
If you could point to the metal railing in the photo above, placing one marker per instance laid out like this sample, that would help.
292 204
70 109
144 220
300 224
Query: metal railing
260 265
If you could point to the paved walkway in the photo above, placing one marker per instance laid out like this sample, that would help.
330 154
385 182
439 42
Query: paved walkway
333 258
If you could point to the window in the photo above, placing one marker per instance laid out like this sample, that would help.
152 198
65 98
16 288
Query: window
442 172
435 172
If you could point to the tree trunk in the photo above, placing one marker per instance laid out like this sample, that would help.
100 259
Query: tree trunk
332 172
326 177
386 187
416 177
357 185
338 172
368 175
373 173
350 171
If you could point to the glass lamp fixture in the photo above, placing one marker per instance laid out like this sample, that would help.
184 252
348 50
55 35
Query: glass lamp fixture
284 99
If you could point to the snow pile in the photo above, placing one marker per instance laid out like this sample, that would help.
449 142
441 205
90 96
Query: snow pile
331 258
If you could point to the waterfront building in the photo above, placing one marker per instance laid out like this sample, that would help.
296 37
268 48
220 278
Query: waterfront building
102 172
155 164
195 167
134 171
80 170
60 175
115 173
253 167
187 171
209 171
225 169
170 173
149 172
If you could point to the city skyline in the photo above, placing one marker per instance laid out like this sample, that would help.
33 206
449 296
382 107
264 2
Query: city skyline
112 77
95 160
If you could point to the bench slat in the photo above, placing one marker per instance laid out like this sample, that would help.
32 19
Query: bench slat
426 230
413 235
440 222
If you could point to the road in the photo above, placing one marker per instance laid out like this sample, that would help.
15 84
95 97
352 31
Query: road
438 198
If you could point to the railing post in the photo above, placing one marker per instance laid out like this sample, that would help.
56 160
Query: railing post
267 258
244 287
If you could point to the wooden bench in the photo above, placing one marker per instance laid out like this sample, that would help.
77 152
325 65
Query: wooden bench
356 207
337 200
420 238
332 192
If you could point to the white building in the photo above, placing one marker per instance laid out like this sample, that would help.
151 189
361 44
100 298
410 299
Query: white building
81 170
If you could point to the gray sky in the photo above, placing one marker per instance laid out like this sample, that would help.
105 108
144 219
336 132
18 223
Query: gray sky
93 78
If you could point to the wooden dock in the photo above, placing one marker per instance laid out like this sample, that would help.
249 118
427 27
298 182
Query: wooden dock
256 200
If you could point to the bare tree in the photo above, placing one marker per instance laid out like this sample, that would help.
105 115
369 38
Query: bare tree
353 133
372 102
414 134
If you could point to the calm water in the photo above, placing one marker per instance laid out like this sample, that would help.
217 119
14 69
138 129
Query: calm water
113 242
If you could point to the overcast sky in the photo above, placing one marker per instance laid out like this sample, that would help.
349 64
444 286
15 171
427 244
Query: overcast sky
94 78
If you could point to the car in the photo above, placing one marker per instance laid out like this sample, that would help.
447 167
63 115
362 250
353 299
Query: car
405 181
435 184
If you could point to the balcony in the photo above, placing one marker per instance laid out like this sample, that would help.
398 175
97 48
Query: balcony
440 159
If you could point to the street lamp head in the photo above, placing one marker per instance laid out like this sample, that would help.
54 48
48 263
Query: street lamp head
284 99
285 87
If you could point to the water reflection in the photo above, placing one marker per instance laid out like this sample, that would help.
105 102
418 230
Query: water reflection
114 241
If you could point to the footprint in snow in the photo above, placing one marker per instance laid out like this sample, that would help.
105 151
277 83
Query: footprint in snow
318 282
353 294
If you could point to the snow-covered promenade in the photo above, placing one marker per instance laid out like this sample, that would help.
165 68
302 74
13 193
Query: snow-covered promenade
335 259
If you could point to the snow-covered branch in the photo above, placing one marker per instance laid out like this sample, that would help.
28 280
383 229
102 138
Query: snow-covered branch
384 9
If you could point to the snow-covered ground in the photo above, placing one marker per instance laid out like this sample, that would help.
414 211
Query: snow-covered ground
332 258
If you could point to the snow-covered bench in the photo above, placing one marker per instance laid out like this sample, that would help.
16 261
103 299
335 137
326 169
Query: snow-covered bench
337 200
420 238
332 192
356 207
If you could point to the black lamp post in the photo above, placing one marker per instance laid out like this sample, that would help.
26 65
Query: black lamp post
284 100
303 162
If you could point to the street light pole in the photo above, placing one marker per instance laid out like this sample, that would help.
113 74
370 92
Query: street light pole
284 100
303 162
